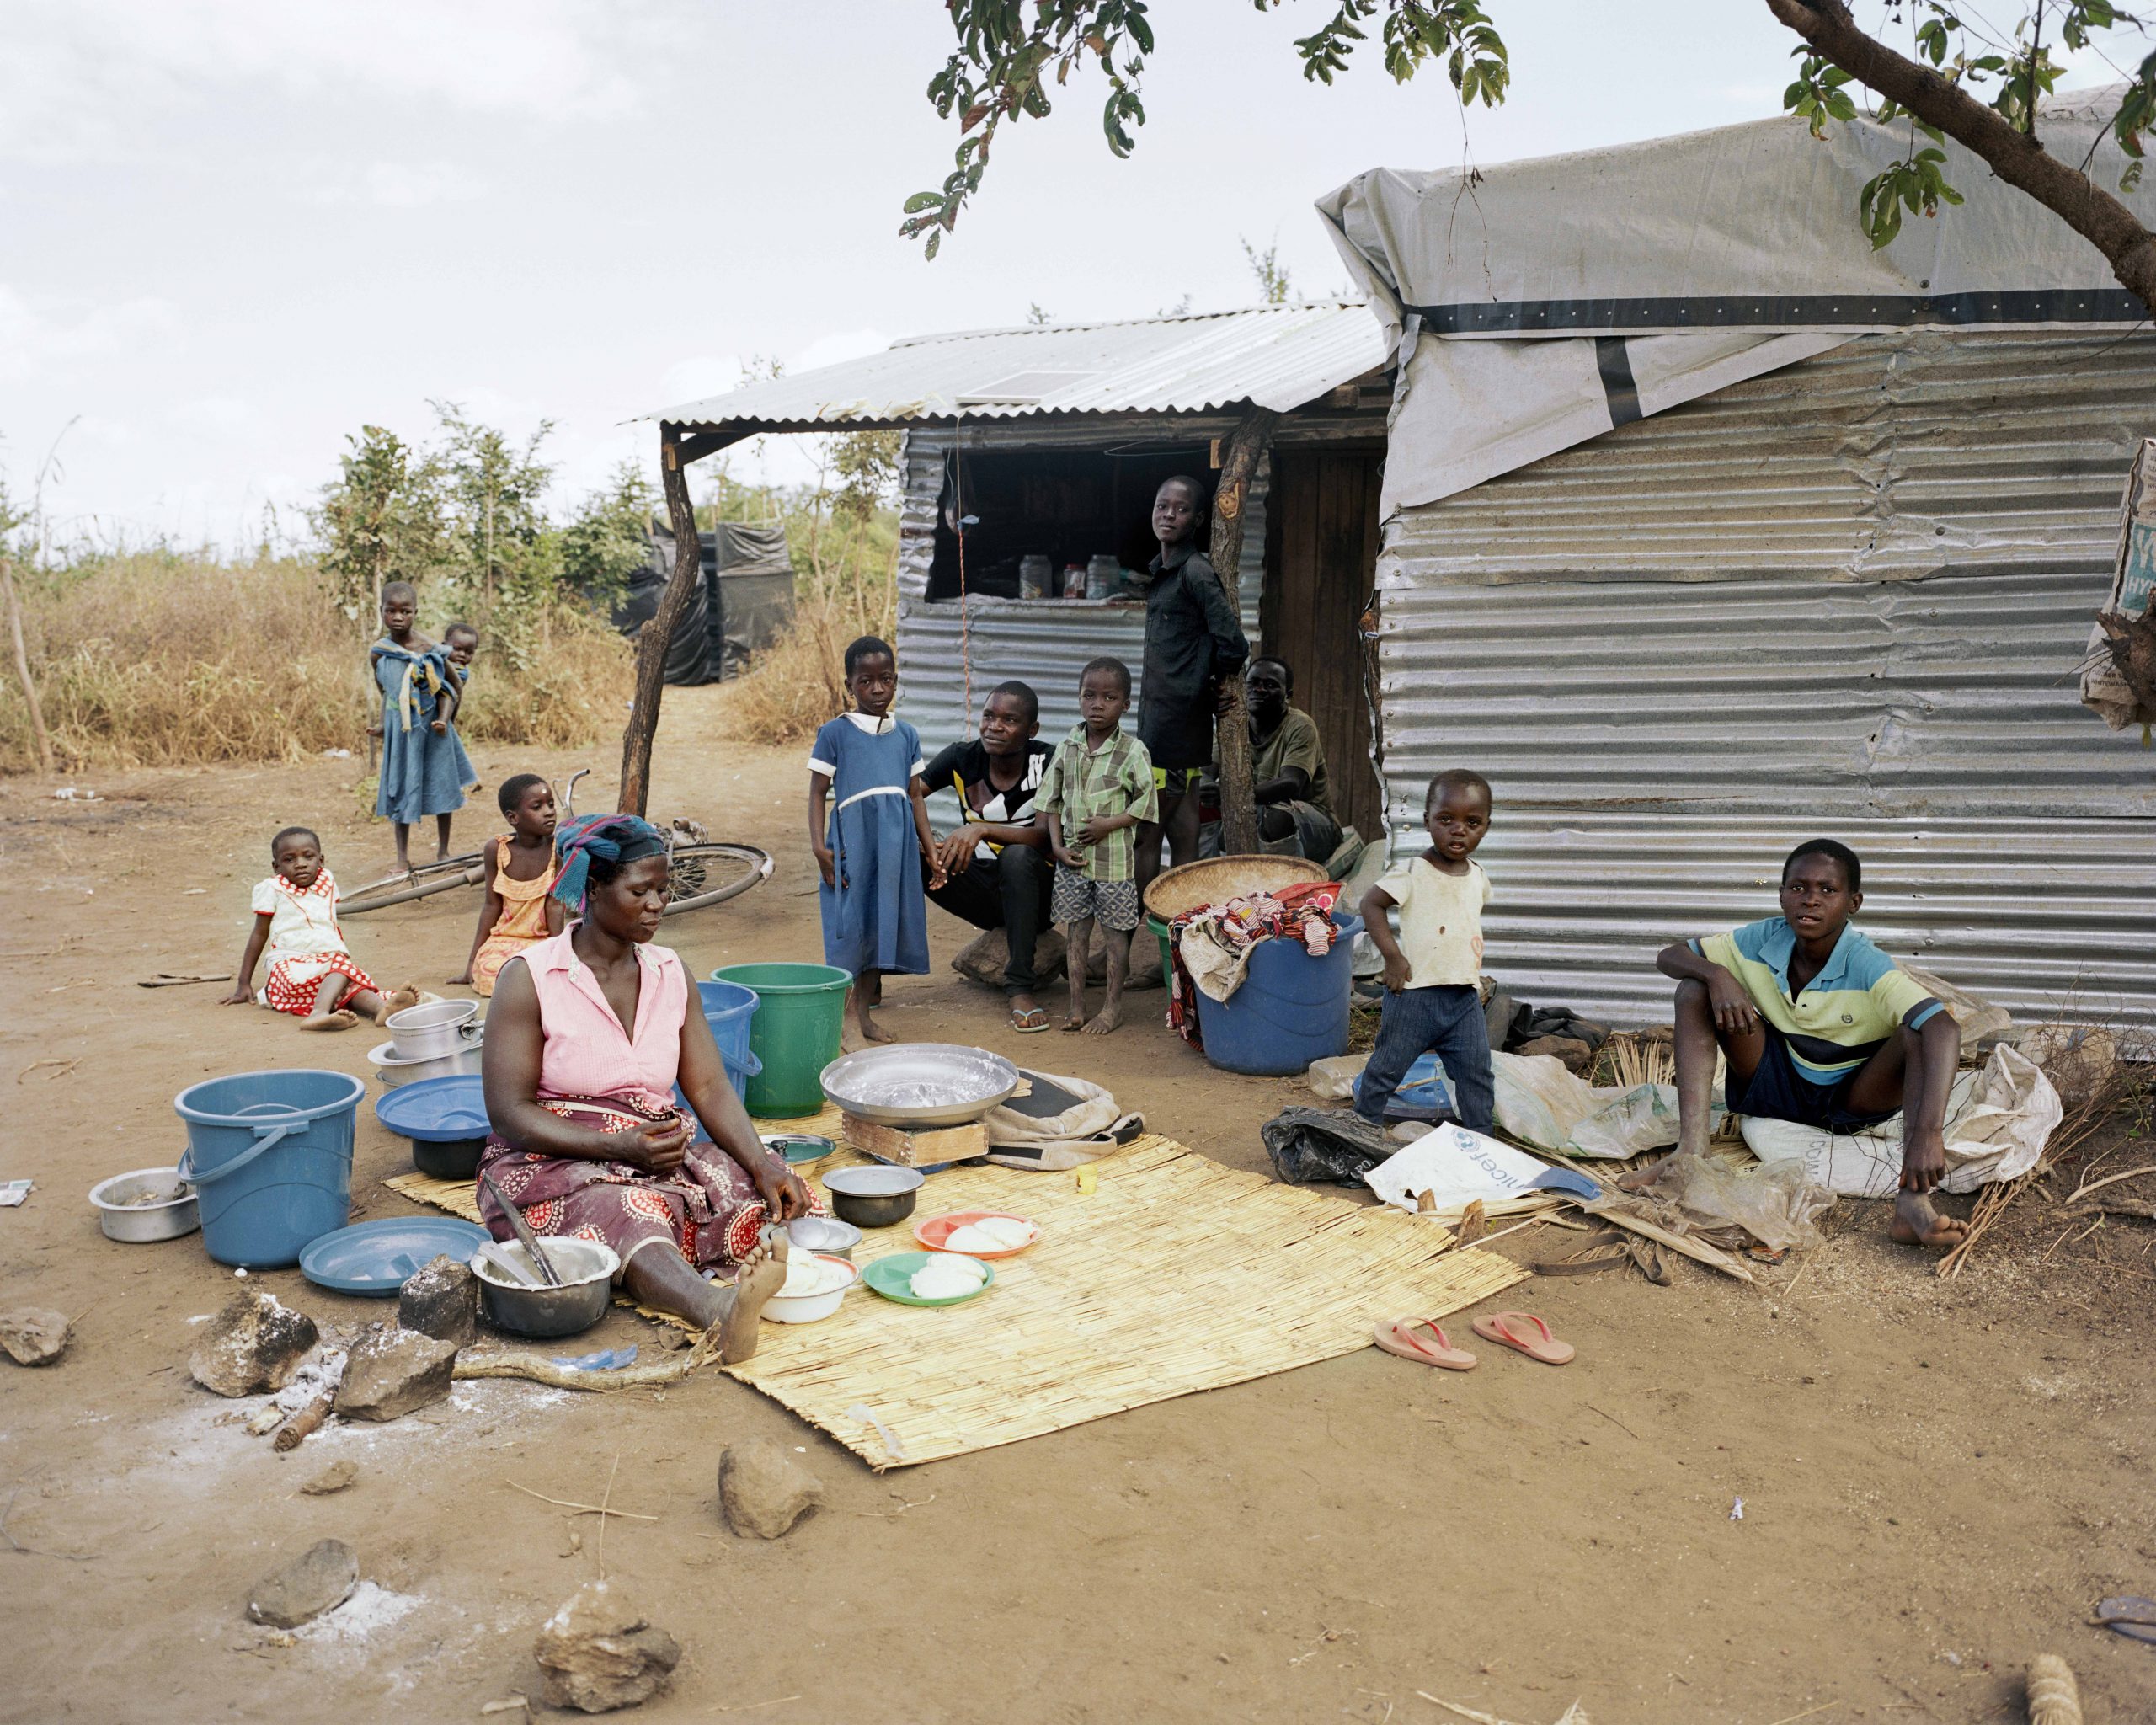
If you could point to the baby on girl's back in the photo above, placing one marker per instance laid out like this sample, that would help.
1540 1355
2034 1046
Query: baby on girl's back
423 766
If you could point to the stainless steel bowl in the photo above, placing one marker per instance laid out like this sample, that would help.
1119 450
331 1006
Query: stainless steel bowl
920 1083
587 1271
135 1223
825 1234
433 1030
393 1072
873 1197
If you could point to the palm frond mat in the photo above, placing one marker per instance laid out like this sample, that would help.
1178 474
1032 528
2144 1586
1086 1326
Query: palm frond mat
1175 1274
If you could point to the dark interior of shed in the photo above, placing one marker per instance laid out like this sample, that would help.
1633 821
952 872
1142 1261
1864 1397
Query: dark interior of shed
1066 504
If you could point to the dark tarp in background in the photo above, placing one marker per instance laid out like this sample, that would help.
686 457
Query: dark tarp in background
744 599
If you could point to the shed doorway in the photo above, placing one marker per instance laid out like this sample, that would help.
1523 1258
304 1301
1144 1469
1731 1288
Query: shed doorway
1320 560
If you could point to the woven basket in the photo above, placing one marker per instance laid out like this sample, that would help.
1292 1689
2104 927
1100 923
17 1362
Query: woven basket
1213 880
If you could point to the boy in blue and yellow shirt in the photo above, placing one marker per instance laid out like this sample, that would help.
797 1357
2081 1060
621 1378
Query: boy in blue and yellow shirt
1819 1026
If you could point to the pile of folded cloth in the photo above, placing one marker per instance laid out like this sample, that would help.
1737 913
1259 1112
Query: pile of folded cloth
1212 944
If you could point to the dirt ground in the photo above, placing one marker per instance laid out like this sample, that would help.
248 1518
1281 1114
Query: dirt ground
1939 1478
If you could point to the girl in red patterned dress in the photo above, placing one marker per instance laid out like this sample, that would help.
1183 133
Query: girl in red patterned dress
312 975
589 1034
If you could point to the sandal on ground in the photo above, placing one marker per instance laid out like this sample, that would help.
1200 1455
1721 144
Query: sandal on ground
1611 1249
2129 1614
1028 1021
1508 1329
1400 1336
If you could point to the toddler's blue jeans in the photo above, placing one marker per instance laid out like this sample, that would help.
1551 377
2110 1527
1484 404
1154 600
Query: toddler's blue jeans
1448 1019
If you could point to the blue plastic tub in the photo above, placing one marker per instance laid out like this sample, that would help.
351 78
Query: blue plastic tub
738 1074
1292 1009
270 1154
728 1008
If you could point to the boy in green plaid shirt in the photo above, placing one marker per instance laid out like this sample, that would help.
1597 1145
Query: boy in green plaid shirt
1099 787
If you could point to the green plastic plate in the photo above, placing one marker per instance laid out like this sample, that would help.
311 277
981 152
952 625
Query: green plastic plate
888 1276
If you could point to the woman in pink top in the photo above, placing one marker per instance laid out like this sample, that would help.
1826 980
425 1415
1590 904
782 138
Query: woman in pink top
589 1033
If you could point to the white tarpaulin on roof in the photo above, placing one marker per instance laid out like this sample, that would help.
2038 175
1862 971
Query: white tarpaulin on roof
1556 298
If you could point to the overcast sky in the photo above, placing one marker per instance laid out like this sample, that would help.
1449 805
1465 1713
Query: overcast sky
233 230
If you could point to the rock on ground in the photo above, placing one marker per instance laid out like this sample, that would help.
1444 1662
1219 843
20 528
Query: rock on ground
305 1587
252 1347
1577 1054
33 1335
390 1372
764 1489
599 1652
442 1301
332 1478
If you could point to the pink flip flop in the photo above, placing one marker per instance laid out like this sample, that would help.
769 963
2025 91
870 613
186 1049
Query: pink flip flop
1500 1326
1397 1336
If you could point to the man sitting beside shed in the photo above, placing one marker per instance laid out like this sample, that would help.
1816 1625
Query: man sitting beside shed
1819 1026
1294 805
995 862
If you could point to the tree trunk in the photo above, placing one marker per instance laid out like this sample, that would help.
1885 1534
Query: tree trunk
43 743
658 632
2016 157
1239 459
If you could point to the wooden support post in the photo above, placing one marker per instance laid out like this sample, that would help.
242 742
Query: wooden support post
1248 442
656 634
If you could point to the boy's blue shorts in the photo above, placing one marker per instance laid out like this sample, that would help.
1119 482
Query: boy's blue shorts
1777 1091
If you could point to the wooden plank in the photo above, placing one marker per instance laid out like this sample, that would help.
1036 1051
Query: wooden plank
892 1144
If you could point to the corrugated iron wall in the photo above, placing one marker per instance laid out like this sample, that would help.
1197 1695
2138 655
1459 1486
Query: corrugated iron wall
1044 642
1849 598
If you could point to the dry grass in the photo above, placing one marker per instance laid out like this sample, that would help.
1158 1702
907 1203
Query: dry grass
155 659
797 682
1632 1058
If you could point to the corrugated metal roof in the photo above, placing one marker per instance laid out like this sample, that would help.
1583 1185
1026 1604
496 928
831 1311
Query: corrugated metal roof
1279 356
1848 598
1042 642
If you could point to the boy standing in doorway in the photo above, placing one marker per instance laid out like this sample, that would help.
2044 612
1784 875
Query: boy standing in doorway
1194 640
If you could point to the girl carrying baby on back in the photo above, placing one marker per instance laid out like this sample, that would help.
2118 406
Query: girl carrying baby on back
423 766
520 910
312 975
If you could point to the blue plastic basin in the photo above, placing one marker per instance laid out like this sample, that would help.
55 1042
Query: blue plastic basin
1292 1008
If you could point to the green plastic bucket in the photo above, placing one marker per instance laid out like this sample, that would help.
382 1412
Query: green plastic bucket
1167 953
795 1032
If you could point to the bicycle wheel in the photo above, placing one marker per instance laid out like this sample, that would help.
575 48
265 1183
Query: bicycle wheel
710 874
425 879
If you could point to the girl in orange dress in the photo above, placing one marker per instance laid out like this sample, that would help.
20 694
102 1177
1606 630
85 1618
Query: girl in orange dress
521 869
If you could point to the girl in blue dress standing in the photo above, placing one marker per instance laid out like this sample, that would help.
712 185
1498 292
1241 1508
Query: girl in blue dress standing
874 845
423 766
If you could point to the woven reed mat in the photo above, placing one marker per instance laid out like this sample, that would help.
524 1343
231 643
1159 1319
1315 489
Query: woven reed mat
1175 1274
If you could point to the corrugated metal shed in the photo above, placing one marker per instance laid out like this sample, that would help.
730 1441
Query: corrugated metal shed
1850 597
1043 642
1279 356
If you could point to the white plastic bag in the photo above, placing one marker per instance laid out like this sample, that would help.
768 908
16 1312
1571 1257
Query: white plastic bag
1998 1122
1456 1167
1541 1102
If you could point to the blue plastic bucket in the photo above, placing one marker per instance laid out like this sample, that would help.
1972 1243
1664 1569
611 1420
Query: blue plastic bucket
728 1007
738 1074
270 1154
1292 1008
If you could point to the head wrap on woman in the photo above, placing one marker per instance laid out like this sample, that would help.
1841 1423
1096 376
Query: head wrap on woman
610 838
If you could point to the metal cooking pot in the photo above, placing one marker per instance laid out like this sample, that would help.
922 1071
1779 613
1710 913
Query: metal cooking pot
586 1268
434 1029
137 1223
448 1158
393 1072
917 1084
873 1197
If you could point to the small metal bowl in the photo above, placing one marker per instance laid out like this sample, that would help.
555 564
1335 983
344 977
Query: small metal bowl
137 1223
825 1235
587 1268
873 1197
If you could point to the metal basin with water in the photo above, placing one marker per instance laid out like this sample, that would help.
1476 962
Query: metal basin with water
917 1084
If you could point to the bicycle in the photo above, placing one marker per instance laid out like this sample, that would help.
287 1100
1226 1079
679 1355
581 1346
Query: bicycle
701 871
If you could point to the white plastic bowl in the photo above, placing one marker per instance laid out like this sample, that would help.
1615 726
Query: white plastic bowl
808 1308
